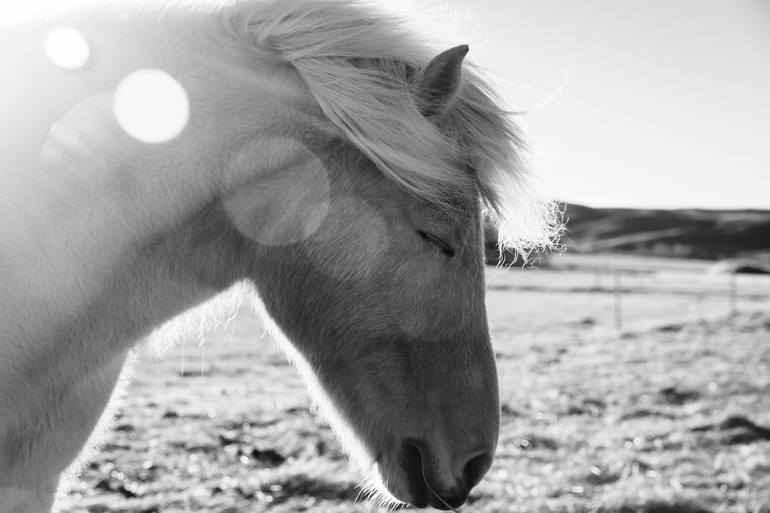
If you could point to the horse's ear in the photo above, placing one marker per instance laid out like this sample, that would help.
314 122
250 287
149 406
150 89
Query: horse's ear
437 84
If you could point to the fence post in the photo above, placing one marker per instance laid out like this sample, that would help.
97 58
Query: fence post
618 306
182 359
733 294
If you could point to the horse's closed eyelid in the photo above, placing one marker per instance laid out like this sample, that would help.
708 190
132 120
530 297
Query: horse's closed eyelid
445 248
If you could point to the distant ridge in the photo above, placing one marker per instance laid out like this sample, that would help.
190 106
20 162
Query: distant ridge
689 233
686 233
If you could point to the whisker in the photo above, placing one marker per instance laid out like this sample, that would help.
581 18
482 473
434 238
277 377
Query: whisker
422 470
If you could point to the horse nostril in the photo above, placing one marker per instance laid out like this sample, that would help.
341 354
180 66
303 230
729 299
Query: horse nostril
475 469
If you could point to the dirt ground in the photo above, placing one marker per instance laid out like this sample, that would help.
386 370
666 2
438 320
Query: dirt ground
626 385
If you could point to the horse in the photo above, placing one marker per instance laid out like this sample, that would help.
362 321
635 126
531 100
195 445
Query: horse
153 156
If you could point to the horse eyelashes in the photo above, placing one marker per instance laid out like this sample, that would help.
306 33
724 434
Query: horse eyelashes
442 246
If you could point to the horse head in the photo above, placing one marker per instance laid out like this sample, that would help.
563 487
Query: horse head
381 295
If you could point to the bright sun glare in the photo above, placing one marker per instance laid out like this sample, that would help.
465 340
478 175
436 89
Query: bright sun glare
150 105
67 48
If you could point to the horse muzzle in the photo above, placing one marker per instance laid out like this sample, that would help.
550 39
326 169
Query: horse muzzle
441 482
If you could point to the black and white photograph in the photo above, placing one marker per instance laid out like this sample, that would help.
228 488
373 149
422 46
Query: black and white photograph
364 256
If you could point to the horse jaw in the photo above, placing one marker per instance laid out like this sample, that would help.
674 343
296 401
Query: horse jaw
374 486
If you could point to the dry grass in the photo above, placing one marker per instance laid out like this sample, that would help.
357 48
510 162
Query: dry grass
669 414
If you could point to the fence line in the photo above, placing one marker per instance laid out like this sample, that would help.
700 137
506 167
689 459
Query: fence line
617 292
623 288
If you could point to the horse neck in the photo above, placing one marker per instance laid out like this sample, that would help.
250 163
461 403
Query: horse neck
97 198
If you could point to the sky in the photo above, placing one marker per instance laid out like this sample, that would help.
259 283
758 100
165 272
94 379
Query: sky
646 104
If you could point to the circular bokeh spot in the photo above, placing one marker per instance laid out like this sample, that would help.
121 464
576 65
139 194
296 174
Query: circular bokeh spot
352 242
79 146
67 48
285 203
151 106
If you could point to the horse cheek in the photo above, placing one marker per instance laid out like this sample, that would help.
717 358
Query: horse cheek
418 297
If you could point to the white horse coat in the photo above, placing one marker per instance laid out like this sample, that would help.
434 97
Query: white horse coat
93 220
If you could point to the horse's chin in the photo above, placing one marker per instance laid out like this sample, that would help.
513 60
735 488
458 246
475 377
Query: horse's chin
403 481
393 482
383 488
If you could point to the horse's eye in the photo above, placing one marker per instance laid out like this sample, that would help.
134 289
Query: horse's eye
445 248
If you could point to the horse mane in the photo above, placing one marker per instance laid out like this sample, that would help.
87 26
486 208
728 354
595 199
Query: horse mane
358 64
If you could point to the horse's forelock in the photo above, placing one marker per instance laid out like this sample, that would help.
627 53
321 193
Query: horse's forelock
357 64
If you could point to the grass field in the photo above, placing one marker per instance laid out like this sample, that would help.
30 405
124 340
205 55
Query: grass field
627 385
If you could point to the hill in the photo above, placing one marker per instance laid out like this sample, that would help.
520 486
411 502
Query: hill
707 234
688 233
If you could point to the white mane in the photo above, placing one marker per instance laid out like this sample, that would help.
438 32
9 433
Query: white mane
357 64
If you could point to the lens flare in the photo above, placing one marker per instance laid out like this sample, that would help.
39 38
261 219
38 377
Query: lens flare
286 198
151 106
67 48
